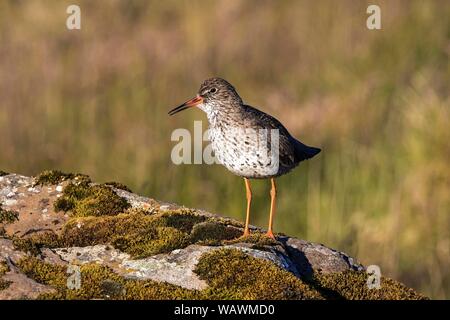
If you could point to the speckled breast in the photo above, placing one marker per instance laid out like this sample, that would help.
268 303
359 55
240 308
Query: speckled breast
245 152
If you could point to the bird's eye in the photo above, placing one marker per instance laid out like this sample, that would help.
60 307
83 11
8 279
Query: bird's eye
213 90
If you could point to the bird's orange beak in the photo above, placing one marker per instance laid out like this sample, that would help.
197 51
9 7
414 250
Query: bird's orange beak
190 103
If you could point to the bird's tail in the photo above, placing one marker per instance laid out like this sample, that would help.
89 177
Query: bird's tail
304 152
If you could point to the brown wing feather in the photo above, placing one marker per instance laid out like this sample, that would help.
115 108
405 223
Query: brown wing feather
255 118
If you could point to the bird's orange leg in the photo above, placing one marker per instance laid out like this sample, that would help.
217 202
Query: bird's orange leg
273 193
249 201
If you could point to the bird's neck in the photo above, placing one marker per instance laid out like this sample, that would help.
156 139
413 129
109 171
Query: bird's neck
213 116
219 116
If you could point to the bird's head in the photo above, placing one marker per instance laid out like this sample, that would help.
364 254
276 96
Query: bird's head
214 95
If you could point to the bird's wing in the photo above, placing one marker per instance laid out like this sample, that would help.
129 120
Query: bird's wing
254 118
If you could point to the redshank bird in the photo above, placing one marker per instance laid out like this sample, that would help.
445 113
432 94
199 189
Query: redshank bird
247 141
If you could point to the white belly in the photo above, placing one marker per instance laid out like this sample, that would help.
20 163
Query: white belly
243 155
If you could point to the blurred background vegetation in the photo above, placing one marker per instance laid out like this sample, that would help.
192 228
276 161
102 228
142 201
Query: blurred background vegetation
377 103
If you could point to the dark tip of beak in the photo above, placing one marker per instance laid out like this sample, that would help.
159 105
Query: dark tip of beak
190 103
178 109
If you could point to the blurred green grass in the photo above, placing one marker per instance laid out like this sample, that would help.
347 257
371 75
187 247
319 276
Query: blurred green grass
376 102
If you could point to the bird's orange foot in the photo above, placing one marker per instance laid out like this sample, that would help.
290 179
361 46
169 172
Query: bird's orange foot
246 233
270 235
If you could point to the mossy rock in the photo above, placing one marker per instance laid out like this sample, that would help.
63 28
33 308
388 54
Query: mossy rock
100 201
97 215
99 282
232 274
100 216
213 233
229 273
50 274
258 239
32 244
138 234
84 199
4 284
352 285
3 268
8 216
52 177
118 185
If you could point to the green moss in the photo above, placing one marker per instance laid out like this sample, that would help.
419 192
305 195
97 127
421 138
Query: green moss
229 222
258 239
141 235
3 173
213 233
26 245
4 284
118 185
73 192
3 268
352 285
138 234
160 240
233 274
8 216
45 273
52 177
135 232
84 199
99 282
33 243
102 200
230 274
150 290
182 219
100 216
